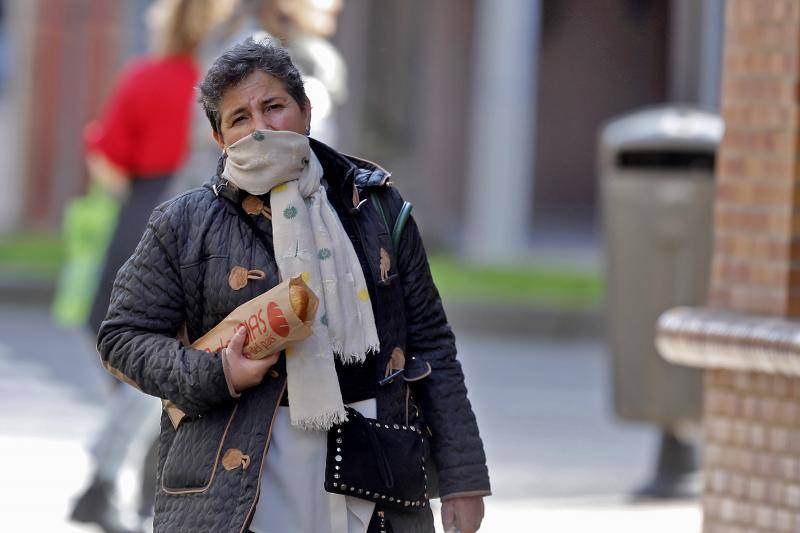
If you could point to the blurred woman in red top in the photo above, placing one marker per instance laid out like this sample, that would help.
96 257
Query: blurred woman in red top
142 137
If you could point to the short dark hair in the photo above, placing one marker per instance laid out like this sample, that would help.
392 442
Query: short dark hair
239 62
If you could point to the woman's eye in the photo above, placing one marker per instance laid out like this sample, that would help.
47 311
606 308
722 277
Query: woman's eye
273 107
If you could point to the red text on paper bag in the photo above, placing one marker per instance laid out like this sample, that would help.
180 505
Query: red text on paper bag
269 319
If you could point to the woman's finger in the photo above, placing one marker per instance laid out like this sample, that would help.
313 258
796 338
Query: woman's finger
448 516
237 341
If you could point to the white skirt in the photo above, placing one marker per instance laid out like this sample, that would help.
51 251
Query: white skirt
293 496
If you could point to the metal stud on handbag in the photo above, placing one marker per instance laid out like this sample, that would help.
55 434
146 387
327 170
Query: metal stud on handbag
379 462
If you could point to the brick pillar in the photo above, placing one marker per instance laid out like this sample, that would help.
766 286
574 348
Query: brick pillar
749 339
756 252
752 418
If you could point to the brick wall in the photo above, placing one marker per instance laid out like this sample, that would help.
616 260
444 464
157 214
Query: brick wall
755 264
752 456
752 420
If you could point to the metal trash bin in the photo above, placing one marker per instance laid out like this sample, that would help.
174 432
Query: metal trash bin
657 168
656 171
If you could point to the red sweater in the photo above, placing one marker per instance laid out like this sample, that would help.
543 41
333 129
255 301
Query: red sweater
144 128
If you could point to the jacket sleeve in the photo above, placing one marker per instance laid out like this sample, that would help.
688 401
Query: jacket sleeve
138 340
456 444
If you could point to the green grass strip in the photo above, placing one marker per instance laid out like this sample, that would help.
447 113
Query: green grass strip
42 254
31 253
563 286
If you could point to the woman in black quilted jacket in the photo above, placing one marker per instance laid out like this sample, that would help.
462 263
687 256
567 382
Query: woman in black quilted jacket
250 452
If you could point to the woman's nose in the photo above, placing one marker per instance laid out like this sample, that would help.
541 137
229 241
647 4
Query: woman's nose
261 122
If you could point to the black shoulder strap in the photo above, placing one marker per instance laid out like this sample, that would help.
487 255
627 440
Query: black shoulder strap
400 221
265 239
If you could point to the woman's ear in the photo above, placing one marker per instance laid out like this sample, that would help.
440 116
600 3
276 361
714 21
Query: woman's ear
307 114
218 138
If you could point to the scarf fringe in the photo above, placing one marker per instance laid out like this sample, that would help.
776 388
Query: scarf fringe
355 357
351 358
323 421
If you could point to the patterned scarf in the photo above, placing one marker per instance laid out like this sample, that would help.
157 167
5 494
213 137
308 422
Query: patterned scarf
309 240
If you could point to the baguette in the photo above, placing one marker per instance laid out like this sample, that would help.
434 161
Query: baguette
298 297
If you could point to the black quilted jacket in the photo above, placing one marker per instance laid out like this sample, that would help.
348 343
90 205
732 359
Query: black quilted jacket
178 276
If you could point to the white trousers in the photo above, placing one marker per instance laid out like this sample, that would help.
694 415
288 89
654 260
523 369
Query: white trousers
293 496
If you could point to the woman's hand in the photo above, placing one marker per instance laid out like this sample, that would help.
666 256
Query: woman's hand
243 372
462 514
113 179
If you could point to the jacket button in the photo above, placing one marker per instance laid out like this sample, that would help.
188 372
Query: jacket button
234 458
274 374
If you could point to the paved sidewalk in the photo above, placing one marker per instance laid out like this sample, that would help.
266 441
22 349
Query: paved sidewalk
612 515
559 460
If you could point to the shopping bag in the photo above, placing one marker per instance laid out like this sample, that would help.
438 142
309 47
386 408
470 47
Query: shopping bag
87 228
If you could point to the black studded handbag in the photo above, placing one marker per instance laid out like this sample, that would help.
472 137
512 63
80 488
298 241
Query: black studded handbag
384 463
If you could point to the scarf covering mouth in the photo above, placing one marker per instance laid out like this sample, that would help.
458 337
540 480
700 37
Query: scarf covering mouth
309 241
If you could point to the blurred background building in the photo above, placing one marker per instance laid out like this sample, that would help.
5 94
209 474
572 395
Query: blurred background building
458 98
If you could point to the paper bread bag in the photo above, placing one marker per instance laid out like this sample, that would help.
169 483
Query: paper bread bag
271 323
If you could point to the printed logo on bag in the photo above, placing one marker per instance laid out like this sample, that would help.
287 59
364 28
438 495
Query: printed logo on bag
264 327
256 329
276 319
272 320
